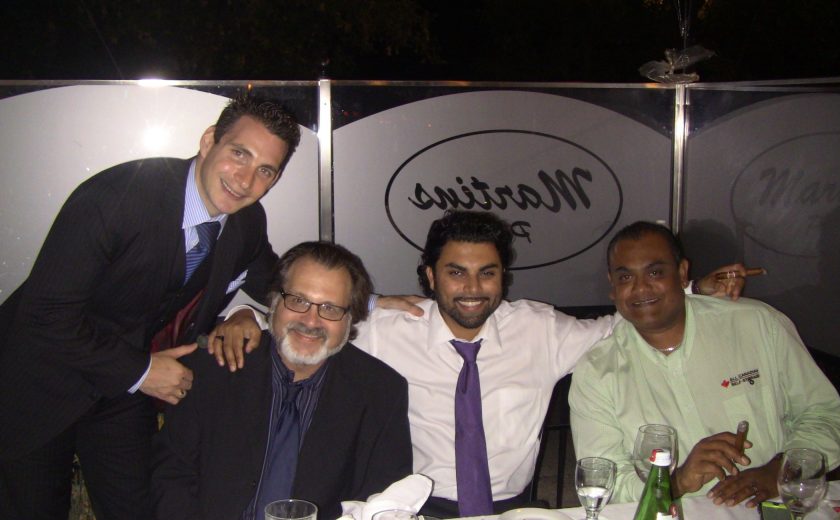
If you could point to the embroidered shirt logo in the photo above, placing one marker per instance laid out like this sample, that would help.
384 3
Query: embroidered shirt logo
744 377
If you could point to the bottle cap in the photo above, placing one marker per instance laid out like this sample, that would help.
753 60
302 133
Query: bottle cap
660 457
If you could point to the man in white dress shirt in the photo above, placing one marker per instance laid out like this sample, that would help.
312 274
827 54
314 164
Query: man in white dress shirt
526 347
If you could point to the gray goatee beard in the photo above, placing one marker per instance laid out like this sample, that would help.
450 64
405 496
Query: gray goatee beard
319 356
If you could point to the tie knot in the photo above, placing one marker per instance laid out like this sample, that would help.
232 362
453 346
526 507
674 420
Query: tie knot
292 390
468 351
207 232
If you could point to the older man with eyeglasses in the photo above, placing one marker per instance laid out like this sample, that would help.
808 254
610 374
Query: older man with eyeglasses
309 417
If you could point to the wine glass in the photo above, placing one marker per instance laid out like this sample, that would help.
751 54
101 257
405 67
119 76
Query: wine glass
802 480
394 514
648 438
291 509
594 482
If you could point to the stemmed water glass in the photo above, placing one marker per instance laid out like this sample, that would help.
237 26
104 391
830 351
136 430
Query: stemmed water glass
648 438
802 480
594 482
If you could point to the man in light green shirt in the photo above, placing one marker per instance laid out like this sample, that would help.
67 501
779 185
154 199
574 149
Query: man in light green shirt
700 365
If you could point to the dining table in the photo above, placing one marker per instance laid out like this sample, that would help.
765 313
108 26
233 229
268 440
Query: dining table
693 508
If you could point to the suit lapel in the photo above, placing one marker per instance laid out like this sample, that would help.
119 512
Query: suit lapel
171 206
337 416
255 389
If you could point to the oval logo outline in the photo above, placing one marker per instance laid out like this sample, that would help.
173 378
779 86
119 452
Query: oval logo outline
609 228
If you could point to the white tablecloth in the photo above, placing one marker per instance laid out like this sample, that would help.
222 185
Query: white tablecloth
701 508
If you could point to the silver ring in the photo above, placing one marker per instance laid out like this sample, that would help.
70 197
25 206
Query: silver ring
184 394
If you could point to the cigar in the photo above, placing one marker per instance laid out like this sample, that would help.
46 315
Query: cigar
751 271
741 435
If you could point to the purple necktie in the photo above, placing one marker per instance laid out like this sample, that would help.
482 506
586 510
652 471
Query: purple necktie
472 473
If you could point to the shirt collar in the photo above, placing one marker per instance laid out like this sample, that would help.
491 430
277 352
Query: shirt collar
195 212
679 355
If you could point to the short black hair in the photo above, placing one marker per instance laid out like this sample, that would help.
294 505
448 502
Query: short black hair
270 113
638 229
331 256
466 226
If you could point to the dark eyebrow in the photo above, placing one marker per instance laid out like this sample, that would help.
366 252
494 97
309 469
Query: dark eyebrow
245 150
307 298
482 268
456 266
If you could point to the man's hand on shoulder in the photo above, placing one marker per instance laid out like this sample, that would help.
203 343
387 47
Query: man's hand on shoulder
712 457
407 303
729 286
169 380
758 483
232 339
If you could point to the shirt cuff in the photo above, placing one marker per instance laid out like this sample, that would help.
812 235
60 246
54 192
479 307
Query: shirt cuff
142 379
258 316
692 288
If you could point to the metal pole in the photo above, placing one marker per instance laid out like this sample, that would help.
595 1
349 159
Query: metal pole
680 138
325 167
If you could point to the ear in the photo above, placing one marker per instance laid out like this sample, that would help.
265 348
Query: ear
430 276
206 142
684 272
612 287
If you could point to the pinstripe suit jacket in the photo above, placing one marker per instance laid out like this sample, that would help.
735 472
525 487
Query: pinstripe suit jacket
107 278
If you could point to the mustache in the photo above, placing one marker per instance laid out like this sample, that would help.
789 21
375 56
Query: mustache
317 332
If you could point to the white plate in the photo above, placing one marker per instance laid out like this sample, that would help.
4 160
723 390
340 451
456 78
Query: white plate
533 513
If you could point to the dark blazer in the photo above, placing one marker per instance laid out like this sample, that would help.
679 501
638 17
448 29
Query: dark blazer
209 455
108 277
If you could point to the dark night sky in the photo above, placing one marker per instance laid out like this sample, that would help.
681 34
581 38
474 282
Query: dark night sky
556 40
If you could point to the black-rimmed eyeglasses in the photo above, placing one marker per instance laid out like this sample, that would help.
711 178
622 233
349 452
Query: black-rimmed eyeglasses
328 311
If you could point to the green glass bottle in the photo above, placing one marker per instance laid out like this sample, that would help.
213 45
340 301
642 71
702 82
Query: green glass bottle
656 502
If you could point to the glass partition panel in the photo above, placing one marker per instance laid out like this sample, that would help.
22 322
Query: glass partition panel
762 185
54 135
567 166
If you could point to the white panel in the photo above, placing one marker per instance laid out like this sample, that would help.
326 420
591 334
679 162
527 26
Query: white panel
52 140
566 173
764 186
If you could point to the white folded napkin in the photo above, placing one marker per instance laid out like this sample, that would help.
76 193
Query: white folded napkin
408 494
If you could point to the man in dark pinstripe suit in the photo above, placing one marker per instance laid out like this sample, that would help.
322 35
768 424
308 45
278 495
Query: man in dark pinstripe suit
76 371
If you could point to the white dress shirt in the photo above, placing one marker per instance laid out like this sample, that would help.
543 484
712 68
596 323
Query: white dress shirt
526 348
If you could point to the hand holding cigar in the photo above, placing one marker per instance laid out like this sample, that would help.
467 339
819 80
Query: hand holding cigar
750 271
741 435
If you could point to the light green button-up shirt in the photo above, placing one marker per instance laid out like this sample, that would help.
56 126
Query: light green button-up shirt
738 361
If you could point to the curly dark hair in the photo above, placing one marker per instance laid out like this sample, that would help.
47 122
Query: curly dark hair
331 256
270 113
466 226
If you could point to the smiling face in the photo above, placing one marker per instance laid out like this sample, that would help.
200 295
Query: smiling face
647 288
239 169
467 282
305 339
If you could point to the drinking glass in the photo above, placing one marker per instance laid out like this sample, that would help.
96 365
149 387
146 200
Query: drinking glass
394 514
802 480
594 482
291 509
648 438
